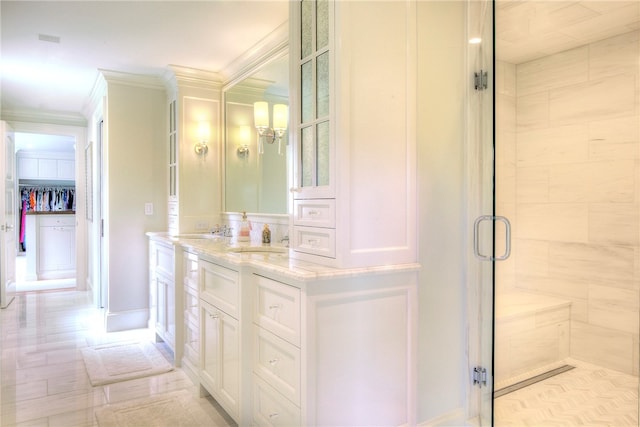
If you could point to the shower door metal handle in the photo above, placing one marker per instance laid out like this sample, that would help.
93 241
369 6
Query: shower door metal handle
476 238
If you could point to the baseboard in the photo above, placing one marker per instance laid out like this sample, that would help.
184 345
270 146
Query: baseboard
451 418
125 320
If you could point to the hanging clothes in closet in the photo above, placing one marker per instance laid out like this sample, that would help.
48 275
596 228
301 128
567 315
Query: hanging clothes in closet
44 199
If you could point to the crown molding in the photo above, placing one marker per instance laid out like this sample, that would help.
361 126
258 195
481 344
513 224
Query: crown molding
98 91
271 47
130 79
62 118
192 77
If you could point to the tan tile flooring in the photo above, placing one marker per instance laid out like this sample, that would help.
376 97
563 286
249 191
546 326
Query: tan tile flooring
42 375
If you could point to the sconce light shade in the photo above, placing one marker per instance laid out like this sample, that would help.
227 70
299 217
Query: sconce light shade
261 114
204 132
280 117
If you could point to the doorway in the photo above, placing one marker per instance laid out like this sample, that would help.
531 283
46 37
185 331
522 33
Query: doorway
46 199
567 150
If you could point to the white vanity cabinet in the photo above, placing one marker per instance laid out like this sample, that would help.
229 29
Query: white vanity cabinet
220 335
163 293
354 149
335 351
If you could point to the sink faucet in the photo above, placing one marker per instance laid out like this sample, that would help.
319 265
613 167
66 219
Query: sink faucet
285 239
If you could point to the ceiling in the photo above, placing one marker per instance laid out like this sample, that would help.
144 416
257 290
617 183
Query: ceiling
526 30
51 51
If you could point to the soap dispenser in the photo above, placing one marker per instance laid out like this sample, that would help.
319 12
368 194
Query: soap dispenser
245 229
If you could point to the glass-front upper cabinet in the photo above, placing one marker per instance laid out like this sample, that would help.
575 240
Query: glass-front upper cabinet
313 165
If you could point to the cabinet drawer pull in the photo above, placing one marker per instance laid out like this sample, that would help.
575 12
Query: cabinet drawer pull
214 316
273 362
275 307
274 415
313 213
312 242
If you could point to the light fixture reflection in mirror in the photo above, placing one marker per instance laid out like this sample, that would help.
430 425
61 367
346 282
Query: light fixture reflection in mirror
261 122
244 136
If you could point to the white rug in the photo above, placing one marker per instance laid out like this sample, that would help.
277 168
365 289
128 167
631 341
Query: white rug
174 409
111 363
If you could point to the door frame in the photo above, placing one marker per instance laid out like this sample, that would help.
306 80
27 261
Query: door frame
80 135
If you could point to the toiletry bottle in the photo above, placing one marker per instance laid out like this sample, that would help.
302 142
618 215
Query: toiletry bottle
245 229
266 235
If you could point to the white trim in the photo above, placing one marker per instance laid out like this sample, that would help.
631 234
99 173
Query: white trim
126 320
451 418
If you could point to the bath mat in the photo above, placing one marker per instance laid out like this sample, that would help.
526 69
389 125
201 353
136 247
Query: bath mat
177 408
532 380
111 363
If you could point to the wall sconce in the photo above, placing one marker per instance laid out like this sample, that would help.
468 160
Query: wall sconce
244 135
261 121
201 147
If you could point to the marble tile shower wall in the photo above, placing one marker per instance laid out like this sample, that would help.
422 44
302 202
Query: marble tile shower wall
575 199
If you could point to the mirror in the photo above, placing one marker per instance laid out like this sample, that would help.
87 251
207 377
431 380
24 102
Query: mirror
255 181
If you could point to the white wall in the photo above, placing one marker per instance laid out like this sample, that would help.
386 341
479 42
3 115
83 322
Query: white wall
441 215
136 172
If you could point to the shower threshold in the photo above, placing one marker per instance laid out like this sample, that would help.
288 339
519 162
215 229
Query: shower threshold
532 380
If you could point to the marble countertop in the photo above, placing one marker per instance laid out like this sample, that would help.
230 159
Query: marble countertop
274 259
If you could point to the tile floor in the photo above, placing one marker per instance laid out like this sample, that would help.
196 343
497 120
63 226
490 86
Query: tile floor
588 395
42 375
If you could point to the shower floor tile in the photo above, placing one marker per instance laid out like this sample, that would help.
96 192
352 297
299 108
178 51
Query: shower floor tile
588 395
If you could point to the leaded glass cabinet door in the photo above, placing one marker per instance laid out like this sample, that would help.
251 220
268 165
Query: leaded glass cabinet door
312 78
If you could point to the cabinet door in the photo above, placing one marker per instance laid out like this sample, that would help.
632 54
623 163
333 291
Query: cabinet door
314 164
27 168
47 168
161 304
56 249
171 313
211 341
66 169
220 356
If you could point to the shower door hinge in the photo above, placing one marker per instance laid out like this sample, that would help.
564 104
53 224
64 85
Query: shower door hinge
481 80
479 376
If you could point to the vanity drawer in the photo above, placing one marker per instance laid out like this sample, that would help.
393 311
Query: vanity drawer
172 207
315 241
161 258
272 409
277 362
315 213
219 286
190 270
190 305
57 220
172 224
277 308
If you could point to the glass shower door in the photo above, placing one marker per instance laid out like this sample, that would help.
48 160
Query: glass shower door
481 208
